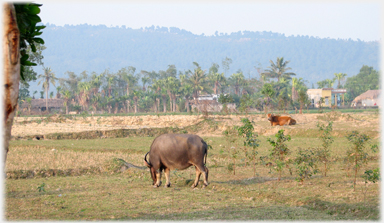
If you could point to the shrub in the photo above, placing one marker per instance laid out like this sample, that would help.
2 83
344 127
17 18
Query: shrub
356 154
323 153
305 163
279 150
250 140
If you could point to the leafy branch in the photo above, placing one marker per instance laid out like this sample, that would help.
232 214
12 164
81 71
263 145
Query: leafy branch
27 19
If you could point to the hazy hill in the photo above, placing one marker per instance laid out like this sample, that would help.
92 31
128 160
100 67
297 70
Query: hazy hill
96 48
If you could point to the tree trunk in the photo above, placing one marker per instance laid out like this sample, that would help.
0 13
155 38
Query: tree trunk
158 104
116 108
215 88
170 102
164 104
128 102
174 102
11 69
46 99
187 104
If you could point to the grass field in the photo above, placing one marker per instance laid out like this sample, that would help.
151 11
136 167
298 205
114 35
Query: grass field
94 188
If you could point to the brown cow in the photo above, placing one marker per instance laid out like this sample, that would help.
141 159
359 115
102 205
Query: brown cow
280 120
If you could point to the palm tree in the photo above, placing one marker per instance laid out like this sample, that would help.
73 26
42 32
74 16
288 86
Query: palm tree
172 85
136 96
339 77
95 100
163 93
199 81
217 79
279 69
84 92
110 81
66 96
145 80
268 92
128 75
321 84
96 82
296 83
186 90
156 87
29 103
330 82
303 98
237 80
48 77
108 101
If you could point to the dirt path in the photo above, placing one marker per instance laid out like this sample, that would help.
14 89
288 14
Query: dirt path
25 126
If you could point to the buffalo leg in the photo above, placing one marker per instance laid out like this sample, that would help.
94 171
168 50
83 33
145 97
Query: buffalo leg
198 173
205 176
201 170
158 176
167 177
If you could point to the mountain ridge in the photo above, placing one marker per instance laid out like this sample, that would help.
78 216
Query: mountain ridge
92 48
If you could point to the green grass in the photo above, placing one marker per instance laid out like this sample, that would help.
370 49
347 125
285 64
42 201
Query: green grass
130 196
134 144
96 189
142 144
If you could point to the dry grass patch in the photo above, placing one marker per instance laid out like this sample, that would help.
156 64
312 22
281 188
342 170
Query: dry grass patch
38 158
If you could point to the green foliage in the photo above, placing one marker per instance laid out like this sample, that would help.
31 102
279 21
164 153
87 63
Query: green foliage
245 103
27 19
357 154
268 93
320 103
225 99
250 140
279 150
41 188
367 79
231 136
372 175
279 69
323 153
305 163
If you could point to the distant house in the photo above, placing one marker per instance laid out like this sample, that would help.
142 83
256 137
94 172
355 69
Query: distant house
368 98
331 96
209 103
38 105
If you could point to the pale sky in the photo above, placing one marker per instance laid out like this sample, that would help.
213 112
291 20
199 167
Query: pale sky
324 19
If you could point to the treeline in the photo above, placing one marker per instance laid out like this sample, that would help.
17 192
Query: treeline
86 47
171 90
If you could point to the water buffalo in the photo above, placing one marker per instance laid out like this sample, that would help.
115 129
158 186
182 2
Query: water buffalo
280 120
177 151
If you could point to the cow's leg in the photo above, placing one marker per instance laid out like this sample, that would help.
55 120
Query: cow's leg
205 174
201 169
198 173
167 177
158 176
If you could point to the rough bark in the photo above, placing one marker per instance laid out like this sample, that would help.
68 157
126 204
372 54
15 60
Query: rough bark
11 69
